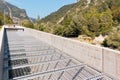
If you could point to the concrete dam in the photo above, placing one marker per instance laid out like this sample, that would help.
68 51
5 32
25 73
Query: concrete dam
28 54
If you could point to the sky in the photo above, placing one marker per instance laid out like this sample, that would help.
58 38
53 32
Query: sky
42 8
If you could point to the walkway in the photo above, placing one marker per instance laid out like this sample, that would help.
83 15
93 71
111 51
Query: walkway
27 58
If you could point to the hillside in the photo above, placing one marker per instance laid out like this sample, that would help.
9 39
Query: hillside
86 17
14 12
5 19
53 17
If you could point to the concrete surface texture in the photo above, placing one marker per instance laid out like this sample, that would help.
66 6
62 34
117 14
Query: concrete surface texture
100 58
28 58
1 51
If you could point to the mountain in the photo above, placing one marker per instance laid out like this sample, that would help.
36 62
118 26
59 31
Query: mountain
90 18
33 20
81 5
14 12
53 17
67 9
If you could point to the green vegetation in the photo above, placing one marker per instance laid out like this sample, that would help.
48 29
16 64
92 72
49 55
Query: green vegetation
27 23
97 17
37 24
113 40
8 20
0 28
82 19
55 16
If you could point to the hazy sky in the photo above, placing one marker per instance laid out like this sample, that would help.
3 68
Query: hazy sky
40 7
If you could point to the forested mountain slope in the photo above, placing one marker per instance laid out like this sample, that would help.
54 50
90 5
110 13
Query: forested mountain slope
86 17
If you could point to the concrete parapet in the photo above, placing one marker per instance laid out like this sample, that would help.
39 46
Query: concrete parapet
1 51
100 58
111 62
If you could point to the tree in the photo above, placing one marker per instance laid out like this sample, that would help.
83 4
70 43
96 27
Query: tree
38 24
98 22
8 20
106 22
71 32
113 3
58 30
1 19
113 40
102 7
38 21
27 23
83 2
116 14
42 28
93 24
78 22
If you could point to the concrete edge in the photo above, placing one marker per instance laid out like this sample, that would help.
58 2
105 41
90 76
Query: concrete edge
110 58
105 48
1 51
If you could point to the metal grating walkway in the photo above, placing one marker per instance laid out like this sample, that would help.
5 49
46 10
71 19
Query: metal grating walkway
27 58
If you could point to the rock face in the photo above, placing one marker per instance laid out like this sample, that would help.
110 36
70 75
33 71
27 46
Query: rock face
14 12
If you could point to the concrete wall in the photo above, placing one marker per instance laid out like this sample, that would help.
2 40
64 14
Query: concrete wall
1 51
102 59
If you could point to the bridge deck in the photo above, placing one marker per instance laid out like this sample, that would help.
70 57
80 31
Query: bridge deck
27 58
